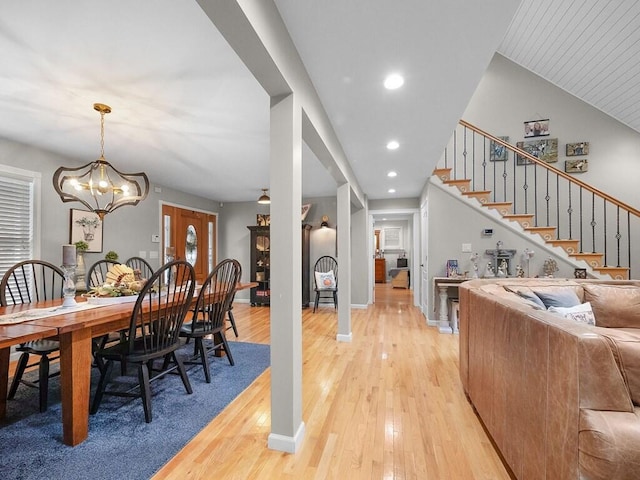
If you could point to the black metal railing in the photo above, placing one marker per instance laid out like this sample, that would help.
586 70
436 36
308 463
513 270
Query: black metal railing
531 182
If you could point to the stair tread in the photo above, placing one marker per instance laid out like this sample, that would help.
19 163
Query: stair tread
541 228
458 180
491 204
477 192
519 215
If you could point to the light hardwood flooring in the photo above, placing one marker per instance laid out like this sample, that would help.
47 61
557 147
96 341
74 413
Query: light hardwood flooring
388 405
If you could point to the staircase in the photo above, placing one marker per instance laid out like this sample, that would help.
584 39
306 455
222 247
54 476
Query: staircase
590 226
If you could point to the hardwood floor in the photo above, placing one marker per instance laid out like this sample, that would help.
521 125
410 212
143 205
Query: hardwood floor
389 405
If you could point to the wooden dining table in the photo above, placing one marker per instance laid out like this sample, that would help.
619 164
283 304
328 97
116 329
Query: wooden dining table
75 330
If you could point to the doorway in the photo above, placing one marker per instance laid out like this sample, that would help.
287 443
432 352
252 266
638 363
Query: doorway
190 235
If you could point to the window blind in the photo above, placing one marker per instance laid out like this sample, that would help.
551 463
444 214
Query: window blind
16 221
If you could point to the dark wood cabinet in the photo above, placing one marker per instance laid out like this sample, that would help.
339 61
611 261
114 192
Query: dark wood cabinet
261 265
381 270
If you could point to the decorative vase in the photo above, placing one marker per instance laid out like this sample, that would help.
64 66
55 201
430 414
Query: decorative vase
81 284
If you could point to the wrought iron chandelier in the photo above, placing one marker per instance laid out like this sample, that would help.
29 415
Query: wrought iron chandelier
98 185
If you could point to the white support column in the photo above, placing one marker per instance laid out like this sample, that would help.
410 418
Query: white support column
287 427
344 263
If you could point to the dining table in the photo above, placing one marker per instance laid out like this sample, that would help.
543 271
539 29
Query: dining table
74 328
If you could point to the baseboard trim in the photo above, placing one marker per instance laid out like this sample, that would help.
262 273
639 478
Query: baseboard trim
283 443
359 306
344 338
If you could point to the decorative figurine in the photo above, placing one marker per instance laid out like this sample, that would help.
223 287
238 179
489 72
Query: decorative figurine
502 269
519 271
488 272
474 262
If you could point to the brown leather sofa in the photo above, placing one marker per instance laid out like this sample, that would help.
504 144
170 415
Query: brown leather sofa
560 399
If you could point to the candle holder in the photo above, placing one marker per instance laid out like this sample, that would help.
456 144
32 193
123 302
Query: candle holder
69 285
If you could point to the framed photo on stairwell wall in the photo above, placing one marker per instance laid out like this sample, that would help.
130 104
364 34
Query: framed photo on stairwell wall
498 152
536 128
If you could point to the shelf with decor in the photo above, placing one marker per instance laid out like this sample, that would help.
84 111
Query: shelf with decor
261 264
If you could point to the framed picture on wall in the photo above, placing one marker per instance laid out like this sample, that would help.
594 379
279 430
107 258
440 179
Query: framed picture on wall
577 149
576 166
86 226
543 149
392 238
536 128
497 151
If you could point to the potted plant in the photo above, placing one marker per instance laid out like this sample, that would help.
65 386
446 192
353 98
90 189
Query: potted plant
111 255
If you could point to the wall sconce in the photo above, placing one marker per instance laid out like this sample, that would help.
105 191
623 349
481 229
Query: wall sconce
325 222
98 185
264 198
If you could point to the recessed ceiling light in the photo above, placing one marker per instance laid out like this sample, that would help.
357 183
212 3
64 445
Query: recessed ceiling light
392 190
392 174
393 145
393 81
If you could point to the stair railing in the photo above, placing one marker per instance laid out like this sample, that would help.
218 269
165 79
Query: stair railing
578 211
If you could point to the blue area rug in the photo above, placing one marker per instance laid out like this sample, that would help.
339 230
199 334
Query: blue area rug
120 444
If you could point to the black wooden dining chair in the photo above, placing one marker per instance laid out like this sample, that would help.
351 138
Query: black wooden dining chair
97 274
325 277
140 264
208 320
230 316
27 282
153 334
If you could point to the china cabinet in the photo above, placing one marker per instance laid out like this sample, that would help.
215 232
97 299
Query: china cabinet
261 265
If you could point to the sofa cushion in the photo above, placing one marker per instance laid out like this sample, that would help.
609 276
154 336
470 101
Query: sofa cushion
580 313
608 445
614 305
625 346
563 297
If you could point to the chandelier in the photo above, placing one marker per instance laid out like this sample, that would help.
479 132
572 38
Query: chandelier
98 185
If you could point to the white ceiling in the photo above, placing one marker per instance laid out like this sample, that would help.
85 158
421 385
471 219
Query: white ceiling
589 48
189 113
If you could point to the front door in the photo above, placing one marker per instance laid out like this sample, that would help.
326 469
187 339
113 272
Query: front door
190 235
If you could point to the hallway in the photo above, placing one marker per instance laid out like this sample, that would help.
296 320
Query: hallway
389 405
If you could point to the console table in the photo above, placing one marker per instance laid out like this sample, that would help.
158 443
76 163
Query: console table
441 286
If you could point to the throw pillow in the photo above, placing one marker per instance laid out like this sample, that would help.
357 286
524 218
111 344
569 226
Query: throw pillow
580 313
533 298
615 306
558 297
325 280
525 293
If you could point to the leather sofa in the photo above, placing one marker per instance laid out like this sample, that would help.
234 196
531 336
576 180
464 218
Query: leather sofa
559 398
